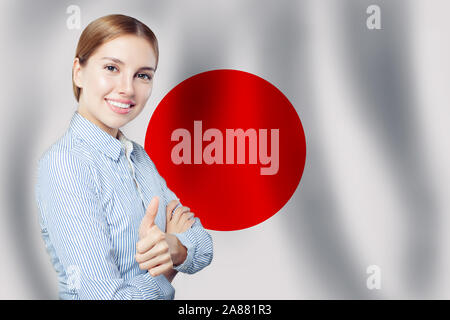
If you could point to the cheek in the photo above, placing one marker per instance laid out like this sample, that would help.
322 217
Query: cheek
105 83
146 92
100 84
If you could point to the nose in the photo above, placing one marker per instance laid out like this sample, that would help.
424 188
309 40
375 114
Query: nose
126 87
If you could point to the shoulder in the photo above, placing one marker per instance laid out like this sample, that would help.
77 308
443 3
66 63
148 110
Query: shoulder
62 152
63 165
137 146
140 151
143 157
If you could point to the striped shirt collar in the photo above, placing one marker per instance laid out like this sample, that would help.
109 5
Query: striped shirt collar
98 138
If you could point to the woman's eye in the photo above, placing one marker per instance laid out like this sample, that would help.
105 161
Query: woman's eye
110 68
144 76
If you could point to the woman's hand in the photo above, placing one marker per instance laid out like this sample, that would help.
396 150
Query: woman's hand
157 251
152 249
180 221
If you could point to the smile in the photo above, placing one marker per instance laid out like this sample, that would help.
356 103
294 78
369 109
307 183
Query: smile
119 107
119 104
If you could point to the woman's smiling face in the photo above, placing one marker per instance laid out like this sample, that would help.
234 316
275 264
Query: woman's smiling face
116 82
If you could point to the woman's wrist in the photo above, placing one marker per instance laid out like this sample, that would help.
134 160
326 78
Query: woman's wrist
170 274
178 252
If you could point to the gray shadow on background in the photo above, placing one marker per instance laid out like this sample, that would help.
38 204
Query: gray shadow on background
381 67
29 52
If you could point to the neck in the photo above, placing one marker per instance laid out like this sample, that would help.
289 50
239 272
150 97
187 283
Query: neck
86 114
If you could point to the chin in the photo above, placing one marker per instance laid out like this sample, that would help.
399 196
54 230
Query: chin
117 124
113 123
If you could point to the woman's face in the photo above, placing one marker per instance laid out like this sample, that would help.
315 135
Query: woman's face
116 82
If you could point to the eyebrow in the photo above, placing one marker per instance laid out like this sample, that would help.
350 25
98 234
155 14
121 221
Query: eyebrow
121 62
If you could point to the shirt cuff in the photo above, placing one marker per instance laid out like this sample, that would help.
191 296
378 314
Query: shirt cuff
185 241
167 290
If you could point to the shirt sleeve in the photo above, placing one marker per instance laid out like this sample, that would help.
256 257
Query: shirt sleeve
196 239
78 231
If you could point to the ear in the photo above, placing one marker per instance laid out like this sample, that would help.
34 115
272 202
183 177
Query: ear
77 73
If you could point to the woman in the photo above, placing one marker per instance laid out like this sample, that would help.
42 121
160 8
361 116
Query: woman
110 224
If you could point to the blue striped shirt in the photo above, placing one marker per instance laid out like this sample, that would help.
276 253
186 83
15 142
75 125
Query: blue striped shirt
92 192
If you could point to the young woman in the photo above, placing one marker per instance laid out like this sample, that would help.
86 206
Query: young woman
112 227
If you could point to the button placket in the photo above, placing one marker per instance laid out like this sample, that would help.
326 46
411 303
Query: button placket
127 149
133 172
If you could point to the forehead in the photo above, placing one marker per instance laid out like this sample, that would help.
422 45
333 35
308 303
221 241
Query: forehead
132 50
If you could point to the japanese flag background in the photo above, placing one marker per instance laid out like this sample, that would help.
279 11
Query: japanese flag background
375 109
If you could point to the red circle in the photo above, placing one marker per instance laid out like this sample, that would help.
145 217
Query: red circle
231 195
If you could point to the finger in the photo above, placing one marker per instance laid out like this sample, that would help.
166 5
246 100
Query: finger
185 217
150 240
172 205
156 261
178 212
156 271
188 224
158 249
149 217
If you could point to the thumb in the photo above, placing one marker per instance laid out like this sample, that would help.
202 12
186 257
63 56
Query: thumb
149 218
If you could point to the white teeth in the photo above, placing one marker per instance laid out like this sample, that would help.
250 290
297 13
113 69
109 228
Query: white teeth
120 105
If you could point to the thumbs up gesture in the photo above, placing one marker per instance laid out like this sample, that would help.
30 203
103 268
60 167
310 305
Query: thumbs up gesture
149 218
152 249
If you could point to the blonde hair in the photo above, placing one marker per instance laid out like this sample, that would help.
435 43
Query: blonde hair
105 29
